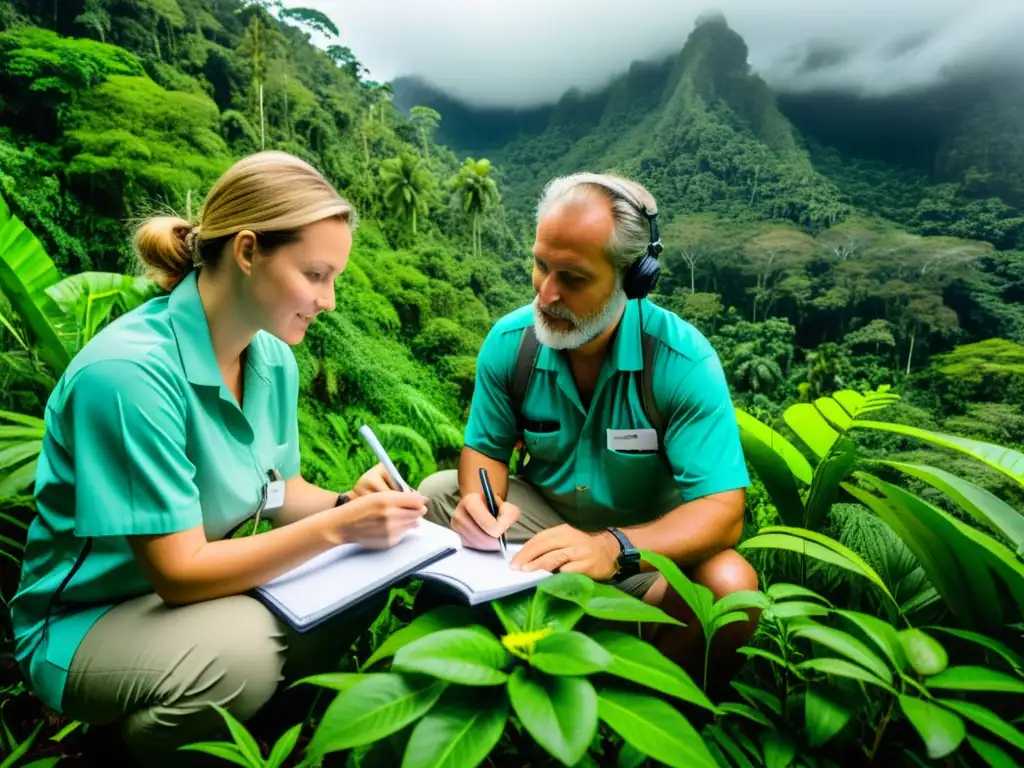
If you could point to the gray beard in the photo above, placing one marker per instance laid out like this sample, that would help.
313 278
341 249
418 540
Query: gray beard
584 330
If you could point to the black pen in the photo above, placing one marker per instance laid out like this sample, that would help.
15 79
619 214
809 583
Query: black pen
493 507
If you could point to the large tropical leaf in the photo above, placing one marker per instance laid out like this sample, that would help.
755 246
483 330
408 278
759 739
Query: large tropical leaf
811 427
85 302
25 274
984 506
960 561
1005 460
777 464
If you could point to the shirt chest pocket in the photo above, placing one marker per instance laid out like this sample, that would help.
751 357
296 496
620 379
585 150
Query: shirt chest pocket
542 446
634 481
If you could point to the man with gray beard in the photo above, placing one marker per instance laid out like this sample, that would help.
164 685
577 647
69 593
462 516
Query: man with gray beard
574 379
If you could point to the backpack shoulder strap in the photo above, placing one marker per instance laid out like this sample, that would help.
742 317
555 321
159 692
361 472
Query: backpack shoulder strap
526 358
650 406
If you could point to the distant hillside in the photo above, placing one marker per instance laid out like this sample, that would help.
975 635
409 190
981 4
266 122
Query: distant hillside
708 135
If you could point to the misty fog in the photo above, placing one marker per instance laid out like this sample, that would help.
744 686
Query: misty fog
527 52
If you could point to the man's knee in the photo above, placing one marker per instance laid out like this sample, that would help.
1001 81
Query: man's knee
725 573
442 492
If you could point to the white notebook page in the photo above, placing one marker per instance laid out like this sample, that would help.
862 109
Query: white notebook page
345 573
483 573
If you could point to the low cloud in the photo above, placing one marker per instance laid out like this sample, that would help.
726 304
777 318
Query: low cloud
528 52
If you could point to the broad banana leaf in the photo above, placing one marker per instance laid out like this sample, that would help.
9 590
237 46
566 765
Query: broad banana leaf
21 439
778 464
1005 460
811 427
984 506
25 274
85 302
961 562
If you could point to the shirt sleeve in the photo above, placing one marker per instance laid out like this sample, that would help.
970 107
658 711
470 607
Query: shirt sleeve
491 427
127 426
702 438
291 463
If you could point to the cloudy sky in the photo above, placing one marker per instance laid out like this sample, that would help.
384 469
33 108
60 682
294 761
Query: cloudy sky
520 52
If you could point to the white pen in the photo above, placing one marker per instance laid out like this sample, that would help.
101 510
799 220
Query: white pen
382 455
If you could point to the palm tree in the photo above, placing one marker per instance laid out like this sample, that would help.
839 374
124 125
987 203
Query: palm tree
408 186
474 192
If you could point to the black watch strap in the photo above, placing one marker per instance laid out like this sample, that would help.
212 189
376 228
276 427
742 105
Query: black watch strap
343 498
629 558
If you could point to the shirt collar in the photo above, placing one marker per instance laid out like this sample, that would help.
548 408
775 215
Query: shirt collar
192 332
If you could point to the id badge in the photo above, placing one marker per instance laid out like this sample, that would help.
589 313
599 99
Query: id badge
640 440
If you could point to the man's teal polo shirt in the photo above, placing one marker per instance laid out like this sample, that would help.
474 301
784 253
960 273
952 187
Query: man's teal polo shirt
143 437
593 485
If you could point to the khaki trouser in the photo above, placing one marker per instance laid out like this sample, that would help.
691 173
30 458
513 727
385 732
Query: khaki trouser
535 515
155 669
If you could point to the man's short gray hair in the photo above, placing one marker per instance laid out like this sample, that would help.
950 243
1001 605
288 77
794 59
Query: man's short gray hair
631 231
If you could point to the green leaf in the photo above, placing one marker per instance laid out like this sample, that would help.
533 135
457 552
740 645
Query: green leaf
826 712
574 587
842 668
731 747
373 710
793 608
461 730
797 465
247 745
25 274
640 662
1005 460
612 604
339 681
630 756
987 719
560 713
223 750
817 546
924 653
882 634
569 653
655 728
784 591
700 599
460 655
743 710
991 754
968 678
955 566
846 644
740 600
774 658
993 645
984 506
767 452
812 429
827 478
755 695
445 617
940 729
284 746
779 749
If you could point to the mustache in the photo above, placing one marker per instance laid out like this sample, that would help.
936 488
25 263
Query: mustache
557 310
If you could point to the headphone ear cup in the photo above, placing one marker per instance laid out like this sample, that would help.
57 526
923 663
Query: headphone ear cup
642 277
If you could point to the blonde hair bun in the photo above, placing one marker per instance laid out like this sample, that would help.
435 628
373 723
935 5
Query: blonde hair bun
164 245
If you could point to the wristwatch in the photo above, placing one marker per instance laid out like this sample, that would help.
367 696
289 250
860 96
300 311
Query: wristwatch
628 562
343 498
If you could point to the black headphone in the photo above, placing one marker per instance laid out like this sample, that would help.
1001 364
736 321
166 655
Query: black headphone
643 274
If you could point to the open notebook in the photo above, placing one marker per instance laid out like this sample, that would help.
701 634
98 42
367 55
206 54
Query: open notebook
346 575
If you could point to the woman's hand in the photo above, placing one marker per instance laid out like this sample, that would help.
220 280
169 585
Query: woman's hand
374 480
377 520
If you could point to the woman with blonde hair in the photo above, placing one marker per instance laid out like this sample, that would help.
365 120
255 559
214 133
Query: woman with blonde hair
170 430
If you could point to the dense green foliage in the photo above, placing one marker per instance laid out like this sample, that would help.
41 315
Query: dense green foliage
887 537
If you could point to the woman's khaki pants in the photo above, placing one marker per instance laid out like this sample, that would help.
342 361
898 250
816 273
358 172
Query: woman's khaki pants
155 669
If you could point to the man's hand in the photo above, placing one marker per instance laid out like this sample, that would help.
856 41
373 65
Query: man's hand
569 550
477 528
374 480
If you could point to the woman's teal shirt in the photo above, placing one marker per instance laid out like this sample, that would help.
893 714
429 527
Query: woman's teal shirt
142 437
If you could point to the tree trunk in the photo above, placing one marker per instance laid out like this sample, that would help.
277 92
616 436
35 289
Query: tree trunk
263 135
287 121
693 289
414 221
910 354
